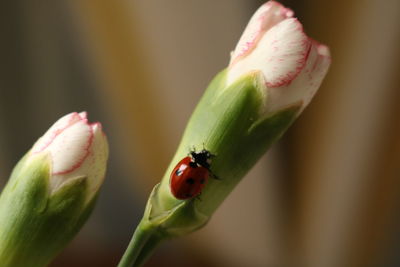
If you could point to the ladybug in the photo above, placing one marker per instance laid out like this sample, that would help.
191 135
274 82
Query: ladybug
190 175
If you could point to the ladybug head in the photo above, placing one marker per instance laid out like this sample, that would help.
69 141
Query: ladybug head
203 158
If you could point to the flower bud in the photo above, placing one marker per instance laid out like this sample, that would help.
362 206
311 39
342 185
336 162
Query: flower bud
292 64
52 191
76 149
273 74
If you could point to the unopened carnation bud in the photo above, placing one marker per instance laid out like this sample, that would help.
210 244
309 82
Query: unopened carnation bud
291 64
273 73
76 149
52 191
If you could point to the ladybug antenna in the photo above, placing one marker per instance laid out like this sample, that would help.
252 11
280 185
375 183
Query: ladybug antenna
192 149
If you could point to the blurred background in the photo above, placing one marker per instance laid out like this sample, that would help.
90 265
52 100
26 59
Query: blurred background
328 194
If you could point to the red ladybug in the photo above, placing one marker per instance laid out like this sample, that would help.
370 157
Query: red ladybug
190 175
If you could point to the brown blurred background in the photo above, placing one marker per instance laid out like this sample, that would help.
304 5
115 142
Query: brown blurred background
327 194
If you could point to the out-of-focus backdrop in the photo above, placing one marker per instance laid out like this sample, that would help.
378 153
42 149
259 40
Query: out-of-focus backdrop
328 194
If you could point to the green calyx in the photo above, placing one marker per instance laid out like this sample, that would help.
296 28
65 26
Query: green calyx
35 225
229 122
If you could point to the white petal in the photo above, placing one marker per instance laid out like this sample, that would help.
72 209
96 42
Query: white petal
315 73
83 115
304 87
265 17
280 55
94 165
70 148
55 130
97 159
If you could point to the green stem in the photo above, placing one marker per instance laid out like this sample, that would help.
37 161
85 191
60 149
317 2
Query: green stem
143 242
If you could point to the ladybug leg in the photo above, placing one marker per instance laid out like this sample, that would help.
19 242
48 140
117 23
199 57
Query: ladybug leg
198 197
211 155
214 176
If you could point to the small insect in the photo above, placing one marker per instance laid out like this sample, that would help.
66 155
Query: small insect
190 175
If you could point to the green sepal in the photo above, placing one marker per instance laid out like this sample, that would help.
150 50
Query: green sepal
173 222
35 224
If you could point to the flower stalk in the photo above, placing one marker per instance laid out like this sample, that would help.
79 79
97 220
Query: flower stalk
144 241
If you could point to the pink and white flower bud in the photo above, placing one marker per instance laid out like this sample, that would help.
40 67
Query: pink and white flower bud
292 64
76 149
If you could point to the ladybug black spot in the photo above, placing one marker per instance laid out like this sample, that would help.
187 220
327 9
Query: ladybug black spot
202 181
190 180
